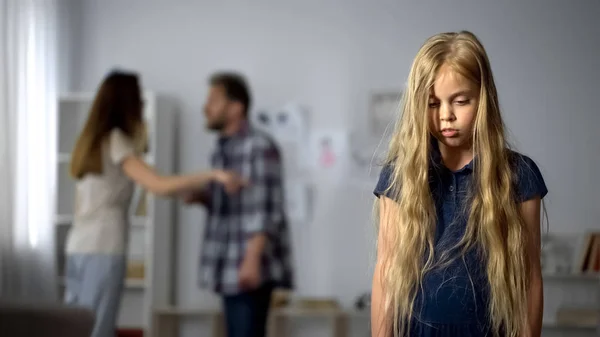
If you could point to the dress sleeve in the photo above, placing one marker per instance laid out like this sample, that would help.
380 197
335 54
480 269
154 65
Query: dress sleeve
529 180
121 146
384 183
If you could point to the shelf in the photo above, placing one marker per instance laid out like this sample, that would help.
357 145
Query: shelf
67 220
556 326
138 221
149 250
133 284
592 277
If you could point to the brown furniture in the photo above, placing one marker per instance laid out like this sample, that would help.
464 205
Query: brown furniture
44 320
165 321
337 319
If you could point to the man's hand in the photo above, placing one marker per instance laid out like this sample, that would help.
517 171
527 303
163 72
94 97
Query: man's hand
249 276
231 181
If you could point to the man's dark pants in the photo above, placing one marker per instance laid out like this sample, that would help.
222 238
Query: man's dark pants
246 313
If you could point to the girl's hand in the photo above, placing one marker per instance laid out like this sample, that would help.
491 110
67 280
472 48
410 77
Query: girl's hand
232 181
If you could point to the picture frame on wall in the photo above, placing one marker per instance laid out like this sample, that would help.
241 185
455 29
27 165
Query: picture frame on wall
384 109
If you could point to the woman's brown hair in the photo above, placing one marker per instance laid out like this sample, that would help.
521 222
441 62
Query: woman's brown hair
117 105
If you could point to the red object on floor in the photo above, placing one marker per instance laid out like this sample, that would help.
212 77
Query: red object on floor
130 333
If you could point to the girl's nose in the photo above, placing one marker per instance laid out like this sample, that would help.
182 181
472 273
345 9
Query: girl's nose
446 113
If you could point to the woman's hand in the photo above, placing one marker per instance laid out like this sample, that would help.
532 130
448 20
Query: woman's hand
232 181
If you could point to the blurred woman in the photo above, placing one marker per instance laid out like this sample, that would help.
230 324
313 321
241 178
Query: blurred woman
106 163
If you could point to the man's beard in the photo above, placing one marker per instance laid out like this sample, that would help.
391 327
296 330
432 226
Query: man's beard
218 125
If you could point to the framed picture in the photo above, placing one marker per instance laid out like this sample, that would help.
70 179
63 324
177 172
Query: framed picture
384 109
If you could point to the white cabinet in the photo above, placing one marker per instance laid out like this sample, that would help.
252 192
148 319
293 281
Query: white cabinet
150 257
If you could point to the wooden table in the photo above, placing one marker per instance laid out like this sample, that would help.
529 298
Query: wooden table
338 319
166 320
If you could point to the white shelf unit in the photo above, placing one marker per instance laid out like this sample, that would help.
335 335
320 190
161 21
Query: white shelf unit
570 288
151 234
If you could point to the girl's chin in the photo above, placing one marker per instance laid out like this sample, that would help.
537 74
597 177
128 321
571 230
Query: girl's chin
454 142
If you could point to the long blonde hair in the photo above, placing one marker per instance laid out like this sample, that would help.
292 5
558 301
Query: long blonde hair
118 104
494 222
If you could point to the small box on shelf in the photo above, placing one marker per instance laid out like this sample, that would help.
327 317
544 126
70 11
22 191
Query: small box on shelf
589 255
136 270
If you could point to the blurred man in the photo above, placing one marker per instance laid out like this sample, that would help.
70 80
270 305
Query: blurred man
246 249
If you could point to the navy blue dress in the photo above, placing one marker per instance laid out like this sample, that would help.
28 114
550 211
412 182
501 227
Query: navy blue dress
453 301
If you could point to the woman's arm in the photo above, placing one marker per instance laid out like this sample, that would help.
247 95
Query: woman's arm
531 214
146 176
201 197
381 323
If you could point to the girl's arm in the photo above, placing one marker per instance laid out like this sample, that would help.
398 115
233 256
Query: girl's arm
531 214
381 323
146 176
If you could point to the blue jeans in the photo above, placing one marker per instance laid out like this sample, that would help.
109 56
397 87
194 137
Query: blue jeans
95 281
246 313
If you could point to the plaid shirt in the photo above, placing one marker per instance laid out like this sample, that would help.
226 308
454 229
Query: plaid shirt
258 208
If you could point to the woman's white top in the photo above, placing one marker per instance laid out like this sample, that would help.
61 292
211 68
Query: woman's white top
101 223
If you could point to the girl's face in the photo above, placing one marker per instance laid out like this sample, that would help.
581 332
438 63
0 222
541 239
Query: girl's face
452 107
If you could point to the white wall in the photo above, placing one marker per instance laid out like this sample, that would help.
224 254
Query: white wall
330 54
69 37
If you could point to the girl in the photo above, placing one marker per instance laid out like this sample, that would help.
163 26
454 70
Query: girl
458 249
105 164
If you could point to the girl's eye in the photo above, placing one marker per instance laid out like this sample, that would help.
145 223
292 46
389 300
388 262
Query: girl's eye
462 102
433 105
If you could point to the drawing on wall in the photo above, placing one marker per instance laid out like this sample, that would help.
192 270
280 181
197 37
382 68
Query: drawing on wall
261 119
384 109
289 128
329 152
327 156
291 123
287 124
